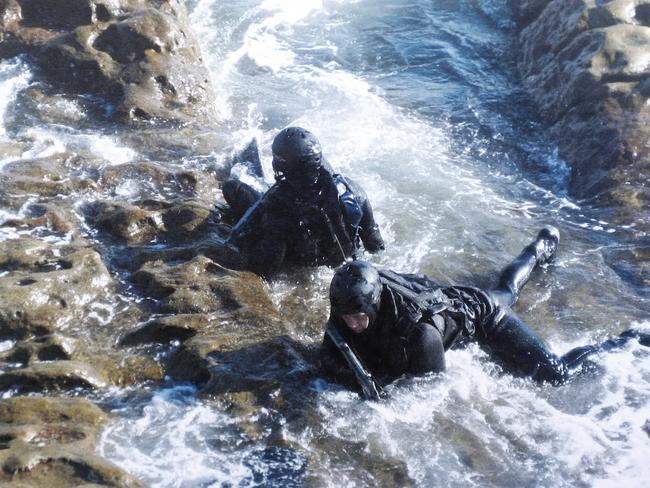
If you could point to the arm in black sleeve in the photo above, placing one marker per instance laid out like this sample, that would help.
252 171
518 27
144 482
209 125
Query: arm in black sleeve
334 364
266 243
425 350
368 229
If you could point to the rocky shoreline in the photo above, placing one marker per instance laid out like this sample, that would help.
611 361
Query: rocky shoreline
65 326
586 64
66 329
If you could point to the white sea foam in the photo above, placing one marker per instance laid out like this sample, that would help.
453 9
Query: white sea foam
173 442
47 142
15 75
520 430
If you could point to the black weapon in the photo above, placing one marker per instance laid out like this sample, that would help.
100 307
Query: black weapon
370 389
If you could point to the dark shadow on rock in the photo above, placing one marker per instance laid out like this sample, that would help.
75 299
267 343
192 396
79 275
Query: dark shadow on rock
164 330
280 364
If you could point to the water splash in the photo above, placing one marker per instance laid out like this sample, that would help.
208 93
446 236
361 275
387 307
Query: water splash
15 75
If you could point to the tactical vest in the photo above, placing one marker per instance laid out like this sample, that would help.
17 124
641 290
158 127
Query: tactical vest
447 309
337 219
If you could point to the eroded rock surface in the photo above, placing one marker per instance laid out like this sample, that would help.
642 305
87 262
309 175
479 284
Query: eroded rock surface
45 288
142 222
139 56
587 65
53 298
49 442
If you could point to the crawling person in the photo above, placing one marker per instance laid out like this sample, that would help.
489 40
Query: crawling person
311 216
396 324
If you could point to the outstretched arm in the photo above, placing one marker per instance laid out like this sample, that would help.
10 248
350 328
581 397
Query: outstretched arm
261 235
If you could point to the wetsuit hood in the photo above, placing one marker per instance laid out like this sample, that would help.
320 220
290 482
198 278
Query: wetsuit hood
297 157
356 288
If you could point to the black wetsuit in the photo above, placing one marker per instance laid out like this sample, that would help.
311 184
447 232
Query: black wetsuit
418 320
322 225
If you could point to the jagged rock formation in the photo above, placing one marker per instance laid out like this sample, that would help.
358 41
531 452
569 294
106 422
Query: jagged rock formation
587 65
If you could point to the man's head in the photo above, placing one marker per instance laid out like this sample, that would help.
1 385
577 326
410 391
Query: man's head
355 294
297 157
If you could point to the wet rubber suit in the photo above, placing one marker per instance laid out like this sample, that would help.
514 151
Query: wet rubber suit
417 320
321 225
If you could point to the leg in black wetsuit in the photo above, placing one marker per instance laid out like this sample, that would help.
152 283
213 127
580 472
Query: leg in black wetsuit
514 342
239 197
516 274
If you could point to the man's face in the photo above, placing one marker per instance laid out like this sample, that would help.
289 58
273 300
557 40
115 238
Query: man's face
357 322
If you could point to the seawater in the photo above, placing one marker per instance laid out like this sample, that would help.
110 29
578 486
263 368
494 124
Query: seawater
419 102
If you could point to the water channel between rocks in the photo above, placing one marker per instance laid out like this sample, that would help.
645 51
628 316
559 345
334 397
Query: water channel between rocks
419 102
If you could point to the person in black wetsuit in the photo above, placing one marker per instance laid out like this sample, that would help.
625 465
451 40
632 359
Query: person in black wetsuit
311 216
401 324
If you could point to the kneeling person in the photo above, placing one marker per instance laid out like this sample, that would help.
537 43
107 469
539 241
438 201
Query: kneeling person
396 324
311 216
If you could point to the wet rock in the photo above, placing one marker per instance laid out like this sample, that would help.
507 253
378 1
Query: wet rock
161 179
16 38
585 64
38 105
53 375
372 467
140 56
123 369
203 286
61 174
50 441
212 246
47 215
140 224
228 323
187 221
258 367
11 149
146 62
632 264
60 469
123 221
45 287
41 421
44 348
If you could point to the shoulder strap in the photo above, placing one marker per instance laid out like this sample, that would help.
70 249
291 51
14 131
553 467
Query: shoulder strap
431 300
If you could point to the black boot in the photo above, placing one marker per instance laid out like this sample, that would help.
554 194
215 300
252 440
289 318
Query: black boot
546 244
642 337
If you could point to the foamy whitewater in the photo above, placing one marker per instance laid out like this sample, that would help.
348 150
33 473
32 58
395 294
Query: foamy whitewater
418 101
